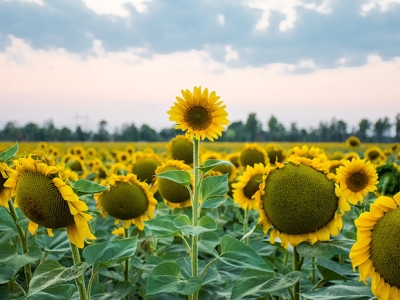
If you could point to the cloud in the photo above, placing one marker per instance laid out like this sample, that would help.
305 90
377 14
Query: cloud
116 7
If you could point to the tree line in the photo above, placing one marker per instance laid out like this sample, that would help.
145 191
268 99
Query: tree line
382 130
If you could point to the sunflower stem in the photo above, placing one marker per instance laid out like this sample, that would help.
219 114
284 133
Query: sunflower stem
246 225
195 210
80 281
126 269
296 267
22 239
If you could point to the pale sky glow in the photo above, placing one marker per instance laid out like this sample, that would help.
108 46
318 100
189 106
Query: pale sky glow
264 68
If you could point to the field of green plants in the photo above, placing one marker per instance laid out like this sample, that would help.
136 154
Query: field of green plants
166 250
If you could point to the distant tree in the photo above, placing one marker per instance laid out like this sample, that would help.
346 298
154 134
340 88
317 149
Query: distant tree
364 127
66 135
293 133
397 129
276 130
11 132
79 135
147 133
381 129
236 131
129 133
168 134
102 134
252 127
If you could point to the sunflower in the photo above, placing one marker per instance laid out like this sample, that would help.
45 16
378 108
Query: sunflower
174 194
234 158
337 155
309 152
123 157
181 148
5 192
145 168
375 155
356 178
334 164
275 153
376 251
46 200
247 185
200 114
350 155
127 199
252 154
300 201
353 142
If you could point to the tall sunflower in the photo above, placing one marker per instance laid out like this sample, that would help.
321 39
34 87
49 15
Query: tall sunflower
5 192
200 114
300 201
127 199
356 178
46 200
376 252
247 185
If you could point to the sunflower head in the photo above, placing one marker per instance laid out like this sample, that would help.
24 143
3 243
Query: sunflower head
173 194
353 142
200 114
145 166
356 178
376 251
252 154
127 199
300 201
389 179
46 200
350 155
181 148
375 155
275 154
5 192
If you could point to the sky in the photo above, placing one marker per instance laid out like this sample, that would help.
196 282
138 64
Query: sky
77 62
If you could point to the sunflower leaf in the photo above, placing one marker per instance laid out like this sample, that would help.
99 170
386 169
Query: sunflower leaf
325 249
165 278
59 292
213 187
350 290
10 257
178 176
162 226
84 187
240 255
209 164
9 153
206 224
109 253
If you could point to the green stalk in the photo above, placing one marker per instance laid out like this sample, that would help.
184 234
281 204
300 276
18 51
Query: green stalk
22 239
195 210
246 225
126 269
80 281
296 267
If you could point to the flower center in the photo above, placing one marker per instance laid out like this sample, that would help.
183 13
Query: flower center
250 157
182 150
373 155
145 169
198 118
299 199
41 201
252 186
357 182
125 201
385 245
171 191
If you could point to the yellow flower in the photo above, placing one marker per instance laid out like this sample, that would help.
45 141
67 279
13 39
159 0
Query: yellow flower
247 185
174 194
309 152
350 155
356 178
127 199
353 142
376 252
252 154
200 114
46 200
300 202
5 192
375 155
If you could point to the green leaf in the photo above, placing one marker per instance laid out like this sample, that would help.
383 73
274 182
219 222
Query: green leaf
11 258
258 283
6 274
108 253
325 249
9 153
213 186
50 273
214 202
331 271
57 243
162 226
58 292
351 290
238 254
206 224
209 164
178 176
84 187
164 278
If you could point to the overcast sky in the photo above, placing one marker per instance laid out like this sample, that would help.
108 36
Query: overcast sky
77 62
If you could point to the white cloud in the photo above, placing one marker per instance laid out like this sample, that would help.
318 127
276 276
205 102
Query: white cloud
38 2
221 19
116 7
230 54
383 5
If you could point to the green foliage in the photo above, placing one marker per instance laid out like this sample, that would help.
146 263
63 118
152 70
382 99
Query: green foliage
178 176
9 153
83 187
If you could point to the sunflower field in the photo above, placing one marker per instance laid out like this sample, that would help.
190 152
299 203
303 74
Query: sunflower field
195 219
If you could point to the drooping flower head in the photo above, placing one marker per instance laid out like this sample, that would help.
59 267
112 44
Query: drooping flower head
144 167
46 200
174 194
300 201
181 148
376 252
275 153
356 178
353 142
127 199
5 192
200 114
252 154
247 185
